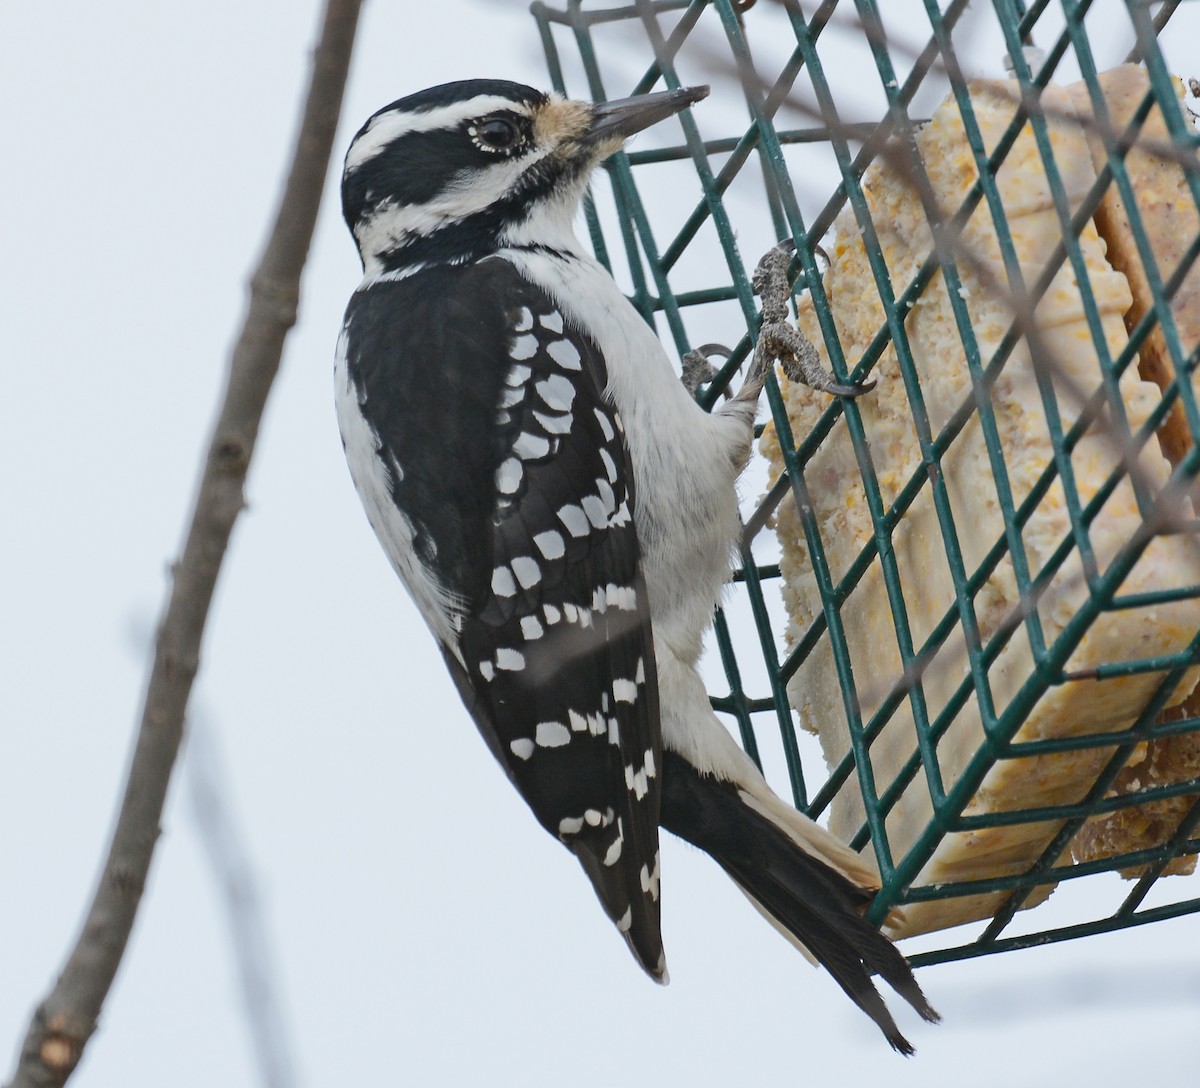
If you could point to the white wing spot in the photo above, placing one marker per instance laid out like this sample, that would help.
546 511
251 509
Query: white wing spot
570 825
606 496
574 520
640 677
487 670
605 425
594 509
524 320
571 612
510 660
625 598
524 347
557 393
624 691
614 850
552 321
508 476
564 353
522 748
527 571
550 544
610 466
593 816
650 878
529 447
518 376
531 628
648 763
626 920
554 424
614 733
578 722
502 582
552 734
551 612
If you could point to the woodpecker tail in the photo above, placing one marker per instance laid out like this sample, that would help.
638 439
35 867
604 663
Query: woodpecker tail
812 888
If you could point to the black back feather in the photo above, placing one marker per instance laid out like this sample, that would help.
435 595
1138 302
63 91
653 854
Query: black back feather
460 371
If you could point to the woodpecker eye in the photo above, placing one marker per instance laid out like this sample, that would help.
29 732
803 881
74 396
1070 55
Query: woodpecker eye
496 134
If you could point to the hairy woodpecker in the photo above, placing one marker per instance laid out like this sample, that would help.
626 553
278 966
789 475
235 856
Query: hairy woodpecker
562 512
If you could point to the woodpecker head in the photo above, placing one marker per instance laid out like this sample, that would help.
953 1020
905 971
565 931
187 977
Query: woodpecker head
454 172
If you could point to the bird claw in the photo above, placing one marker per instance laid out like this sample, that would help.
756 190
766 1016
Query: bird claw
779 340
841 389
799 361
698 371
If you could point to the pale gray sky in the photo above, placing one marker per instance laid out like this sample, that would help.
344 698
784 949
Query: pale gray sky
426 930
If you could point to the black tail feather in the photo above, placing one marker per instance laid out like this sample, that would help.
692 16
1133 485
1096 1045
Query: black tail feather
848 947
808 898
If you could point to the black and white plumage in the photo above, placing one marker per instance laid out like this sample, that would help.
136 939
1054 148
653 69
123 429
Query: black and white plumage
562 512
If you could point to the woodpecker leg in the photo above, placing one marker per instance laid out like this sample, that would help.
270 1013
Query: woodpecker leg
698 371
779 339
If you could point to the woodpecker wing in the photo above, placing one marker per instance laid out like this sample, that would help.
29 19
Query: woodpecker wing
494 472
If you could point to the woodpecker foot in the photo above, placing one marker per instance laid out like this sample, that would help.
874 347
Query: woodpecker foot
698 371
779 340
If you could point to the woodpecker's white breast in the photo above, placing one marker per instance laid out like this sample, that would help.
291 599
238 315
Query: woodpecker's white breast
685 461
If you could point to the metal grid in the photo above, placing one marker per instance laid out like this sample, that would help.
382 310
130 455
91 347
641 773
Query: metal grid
804 99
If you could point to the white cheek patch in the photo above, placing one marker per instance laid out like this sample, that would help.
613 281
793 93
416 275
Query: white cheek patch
473 191
390 225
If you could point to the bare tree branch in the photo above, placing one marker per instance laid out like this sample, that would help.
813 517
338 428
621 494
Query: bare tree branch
66 1018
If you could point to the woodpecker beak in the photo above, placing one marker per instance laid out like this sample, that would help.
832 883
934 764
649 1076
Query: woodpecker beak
616 121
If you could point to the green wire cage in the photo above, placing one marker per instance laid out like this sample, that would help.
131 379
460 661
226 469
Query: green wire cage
810 103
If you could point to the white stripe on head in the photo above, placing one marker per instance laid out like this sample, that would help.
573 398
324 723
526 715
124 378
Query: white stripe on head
389 225
385 127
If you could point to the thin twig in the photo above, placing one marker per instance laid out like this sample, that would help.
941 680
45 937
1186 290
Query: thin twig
65 1020
234 880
